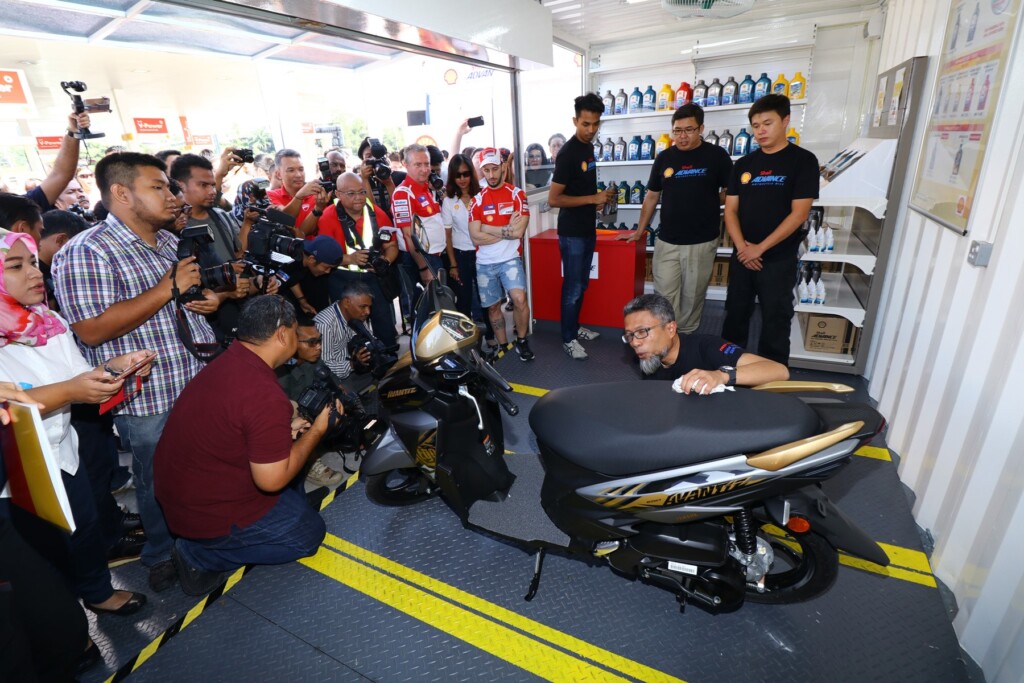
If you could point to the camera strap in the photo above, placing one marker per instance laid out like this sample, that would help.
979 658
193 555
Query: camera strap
204 352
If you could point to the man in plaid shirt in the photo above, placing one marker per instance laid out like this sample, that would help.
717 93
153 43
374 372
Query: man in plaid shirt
115 286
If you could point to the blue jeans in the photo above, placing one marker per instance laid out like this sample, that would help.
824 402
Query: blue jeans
290 530
467 296
140 435
577 255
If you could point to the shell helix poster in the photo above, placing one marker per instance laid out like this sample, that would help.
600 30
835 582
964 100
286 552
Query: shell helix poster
979 37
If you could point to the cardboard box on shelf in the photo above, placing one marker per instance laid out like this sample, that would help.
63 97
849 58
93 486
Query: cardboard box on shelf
828 333
649 268
720 273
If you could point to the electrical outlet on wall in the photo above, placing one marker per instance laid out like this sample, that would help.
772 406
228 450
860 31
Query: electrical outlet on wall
980 253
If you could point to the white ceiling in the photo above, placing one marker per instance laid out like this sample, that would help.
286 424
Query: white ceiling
595 22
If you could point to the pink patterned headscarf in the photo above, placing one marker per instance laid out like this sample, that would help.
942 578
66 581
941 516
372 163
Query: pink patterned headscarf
28 325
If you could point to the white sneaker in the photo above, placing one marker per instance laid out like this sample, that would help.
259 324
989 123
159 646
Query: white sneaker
322 475
575 350
587 335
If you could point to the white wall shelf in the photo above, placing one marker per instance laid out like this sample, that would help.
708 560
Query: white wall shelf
848 249
668 112
839 300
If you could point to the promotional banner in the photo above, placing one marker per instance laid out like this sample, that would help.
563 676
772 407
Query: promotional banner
977 44
15 96
151 126
49 143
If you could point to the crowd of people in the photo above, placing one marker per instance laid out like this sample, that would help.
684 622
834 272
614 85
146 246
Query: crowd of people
125 319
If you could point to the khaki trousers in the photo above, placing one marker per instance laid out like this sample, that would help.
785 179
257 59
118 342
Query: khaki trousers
681 275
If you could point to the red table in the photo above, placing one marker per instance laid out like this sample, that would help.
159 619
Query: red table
616 277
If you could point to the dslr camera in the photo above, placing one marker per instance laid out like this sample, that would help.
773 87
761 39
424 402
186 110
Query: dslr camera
198 241
435 181
351 432
245 155
268 237
328 180
89 217
381 357
378 160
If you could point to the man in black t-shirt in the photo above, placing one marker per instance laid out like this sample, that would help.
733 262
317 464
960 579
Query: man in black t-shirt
574 193
769 196
704 361
306 282
691 175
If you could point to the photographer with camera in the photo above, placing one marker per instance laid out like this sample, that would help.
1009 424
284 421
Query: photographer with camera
349 366
296 376
227 496
64 166
116 287
305 201
414 199
307 284
371 249
199 185
376 173
74 199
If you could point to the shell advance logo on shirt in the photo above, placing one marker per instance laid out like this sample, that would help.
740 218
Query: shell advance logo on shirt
685 172
763 178
587 165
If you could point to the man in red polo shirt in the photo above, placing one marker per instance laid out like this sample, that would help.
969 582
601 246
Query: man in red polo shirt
223 491
415 199
351 223
305 201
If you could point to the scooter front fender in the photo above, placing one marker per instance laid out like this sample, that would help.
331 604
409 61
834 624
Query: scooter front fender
827 521
390 454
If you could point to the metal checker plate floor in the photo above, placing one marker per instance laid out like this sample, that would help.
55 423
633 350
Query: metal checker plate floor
407 594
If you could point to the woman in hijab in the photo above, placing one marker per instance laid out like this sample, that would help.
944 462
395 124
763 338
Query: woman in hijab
38 351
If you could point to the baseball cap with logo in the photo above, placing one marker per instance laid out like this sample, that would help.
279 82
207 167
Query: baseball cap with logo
488 156
324 249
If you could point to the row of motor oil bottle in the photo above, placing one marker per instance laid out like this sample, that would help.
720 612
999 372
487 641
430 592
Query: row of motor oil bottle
810 288
646 148
716 94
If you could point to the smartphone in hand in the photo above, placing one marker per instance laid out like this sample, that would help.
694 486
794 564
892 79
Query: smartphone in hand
134 367
475 121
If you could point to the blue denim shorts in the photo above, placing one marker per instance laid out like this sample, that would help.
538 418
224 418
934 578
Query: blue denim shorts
494 279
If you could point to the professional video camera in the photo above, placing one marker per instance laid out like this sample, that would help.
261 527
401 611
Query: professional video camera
328 180
350 432
381 357
378 160
198 241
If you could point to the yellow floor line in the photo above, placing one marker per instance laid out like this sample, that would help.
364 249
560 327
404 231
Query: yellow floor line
524 389
519 649
874 452
497 613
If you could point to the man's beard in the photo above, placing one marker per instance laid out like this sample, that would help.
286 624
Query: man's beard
495 184
652 363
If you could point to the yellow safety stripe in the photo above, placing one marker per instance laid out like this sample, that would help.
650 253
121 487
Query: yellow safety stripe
478 621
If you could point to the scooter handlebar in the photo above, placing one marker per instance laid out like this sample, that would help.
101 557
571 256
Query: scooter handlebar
499 387
505 402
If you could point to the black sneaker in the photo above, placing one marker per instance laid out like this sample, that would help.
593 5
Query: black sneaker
195 581
162 576
130 522
523 349
126 549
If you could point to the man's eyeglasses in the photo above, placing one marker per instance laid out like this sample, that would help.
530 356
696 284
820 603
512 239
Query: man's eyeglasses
639 333
464 174
312 341
352 194
689 130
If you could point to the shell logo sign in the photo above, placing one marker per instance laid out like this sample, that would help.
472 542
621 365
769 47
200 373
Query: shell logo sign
451 76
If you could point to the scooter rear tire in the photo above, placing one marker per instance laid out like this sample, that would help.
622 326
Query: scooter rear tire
399 487
806 572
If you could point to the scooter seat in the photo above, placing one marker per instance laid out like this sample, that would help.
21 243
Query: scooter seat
641 426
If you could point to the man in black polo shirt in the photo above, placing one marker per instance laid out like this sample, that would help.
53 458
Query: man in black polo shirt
769 196
574 193
703 361
691 174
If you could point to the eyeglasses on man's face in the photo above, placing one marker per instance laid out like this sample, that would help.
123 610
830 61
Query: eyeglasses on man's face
639 333
689 130
312 341
353 194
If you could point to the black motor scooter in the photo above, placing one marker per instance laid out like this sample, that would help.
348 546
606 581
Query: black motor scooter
716 498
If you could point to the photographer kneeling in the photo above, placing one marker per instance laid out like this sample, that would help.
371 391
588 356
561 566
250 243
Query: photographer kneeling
224 495
352 364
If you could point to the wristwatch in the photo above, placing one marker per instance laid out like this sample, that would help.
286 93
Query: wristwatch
731 371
